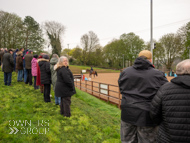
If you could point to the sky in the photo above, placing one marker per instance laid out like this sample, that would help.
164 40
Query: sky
107 18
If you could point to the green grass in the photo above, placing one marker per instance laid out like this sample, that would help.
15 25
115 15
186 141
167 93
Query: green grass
77 69
91 121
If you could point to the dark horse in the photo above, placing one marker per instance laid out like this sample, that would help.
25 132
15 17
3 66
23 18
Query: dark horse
92 72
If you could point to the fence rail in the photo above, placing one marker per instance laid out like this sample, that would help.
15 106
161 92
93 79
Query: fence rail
103 91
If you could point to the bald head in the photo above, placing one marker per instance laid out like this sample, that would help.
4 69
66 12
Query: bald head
183 67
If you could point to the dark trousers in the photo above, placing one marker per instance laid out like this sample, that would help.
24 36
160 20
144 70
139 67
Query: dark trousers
65 106
135 134
7 78
29 77
35 86
47 89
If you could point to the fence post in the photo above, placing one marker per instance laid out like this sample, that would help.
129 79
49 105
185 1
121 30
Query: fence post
92 87
85 86
80 84
119 105
99 90
108 92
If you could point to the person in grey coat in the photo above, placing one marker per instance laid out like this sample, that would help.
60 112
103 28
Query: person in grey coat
8 66
53 62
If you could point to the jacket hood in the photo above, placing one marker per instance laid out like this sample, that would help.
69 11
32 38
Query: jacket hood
182 80
42 59
141 63
53 61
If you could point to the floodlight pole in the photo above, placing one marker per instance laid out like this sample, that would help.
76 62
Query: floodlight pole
151 30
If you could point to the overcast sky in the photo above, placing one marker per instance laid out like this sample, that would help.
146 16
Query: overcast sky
107 18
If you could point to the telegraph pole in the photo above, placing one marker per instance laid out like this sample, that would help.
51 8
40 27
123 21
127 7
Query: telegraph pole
151 30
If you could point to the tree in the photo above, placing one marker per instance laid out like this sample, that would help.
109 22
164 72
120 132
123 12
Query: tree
89 43
133 45
54 31
170 47
11 30
184 33
33 35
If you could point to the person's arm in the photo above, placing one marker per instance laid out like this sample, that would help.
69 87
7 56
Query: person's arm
66 77
156 108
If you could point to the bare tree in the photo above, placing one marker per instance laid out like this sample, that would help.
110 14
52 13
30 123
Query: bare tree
54 31
89 43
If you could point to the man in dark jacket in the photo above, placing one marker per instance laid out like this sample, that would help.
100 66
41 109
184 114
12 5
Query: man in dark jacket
45 76
138 85
8 65
170 108
28 58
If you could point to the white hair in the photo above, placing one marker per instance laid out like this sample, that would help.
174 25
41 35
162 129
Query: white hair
60 61
183 67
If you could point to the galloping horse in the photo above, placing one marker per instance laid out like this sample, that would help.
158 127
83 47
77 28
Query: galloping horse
92 72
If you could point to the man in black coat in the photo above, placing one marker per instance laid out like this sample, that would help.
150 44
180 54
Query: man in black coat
138 85
8 65
170 108
45 76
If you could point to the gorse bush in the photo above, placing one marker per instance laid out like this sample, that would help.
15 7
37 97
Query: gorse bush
25 117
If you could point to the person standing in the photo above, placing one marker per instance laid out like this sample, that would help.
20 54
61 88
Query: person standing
64 87
25 71
45 76
53 62
1 55
138 85
19 66
28 58
8 66
34 69
170 108
14 58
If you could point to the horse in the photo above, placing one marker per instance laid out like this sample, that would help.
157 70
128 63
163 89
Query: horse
92 72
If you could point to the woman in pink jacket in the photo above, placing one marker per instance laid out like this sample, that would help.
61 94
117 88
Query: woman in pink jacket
34 70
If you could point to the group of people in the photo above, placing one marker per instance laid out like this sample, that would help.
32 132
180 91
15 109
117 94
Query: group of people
40 71
153 109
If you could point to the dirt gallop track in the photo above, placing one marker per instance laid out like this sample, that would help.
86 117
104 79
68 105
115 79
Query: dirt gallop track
109 78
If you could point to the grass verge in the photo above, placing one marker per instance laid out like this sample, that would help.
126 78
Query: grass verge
23 108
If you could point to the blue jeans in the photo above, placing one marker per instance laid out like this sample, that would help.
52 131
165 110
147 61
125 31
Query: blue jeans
25 74
20 73
57 100
7 78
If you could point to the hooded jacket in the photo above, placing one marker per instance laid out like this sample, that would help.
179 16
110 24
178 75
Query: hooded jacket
138 85
65 82
34 67
171 109
45 73
53 62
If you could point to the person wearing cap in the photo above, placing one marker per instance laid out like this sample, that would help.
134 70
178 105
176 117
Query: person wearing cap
170 108
28 58
8 66
138 85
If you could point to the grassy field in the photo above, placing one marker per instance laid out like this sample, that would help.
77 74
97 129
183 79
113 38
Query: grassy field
26 118
77 69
